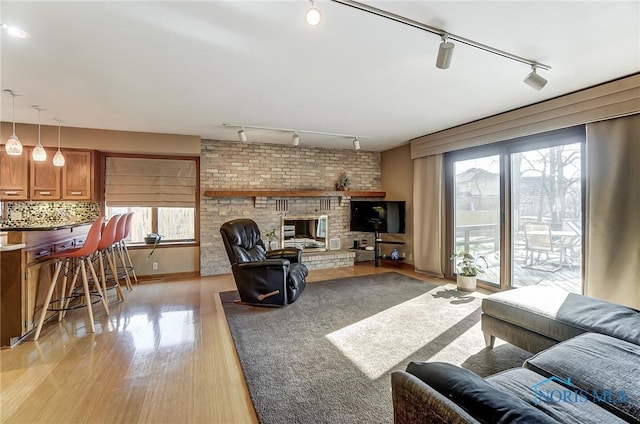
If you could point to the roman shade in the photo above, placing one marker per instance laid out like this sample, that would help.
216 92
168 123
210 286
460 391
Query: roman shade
606 101
144 182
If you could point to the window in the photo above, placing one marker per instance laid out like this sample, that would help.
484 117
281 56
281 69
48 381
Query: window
160 192
519 204
173 224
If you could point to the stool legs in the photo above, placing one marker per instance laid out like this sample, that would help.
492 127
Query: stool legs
80 269
48 299
118 248
133 270
87 294
111 260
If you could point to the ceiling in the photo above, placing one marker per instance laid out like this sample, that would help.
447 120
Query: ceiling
182 67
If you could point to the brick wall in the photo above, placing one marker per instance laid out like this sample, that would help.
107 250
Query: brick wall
249 166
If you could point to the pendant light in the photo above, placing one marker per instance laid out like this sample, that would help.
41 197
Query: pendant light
39 154
13 146
58 158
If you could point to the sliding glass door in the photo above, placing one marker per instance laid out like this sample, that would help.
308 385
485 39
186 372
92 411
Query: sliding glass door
477 212
519 204
546 216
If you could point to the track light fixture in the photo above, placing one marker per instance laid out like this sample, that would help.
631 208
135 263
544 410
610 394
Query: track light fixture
39 154
242 135
313 15
13 146
534 80
446 48
295 137
58 158
445 53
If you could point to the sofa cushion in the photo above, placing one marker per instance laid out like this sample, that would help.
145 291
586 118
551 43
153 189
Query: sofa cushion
480 399
561 315
526 385
606 370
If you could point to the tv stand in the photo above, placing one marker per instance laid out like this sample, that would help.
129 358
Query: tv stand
378 242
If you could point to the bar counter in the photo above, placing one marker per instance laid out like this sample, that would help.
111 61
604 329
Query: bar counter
26 271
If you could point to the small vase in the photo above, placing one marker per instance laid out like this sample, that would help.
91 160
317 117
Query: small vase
467 284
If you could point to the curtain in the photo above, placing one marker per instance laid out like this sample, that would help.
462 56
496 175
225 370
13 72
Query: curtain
612 256
428 215
150 182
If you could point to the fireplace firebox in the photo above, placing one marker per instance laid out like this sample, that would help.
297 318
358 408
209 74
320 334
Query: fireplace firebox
305 232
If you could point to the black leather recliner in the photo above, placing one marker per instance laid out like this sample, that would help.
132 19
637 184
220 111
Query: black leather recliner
276 277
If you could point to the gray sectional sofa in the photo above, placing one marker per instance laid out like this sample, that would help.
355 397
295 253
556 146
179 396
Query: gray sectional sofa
586 368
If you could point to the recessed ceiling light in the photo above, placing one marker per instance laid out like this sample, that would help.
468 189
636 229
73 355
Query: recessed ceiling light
15 31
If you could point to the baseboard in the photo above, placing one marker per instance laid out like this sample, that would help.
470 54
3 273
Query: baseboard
154 278
396 264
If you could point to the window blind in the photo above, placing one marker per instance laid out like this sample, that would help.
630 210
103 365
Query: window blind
146 182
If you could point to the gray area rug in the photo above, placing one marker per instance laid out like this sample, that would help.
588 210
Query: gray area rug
328 357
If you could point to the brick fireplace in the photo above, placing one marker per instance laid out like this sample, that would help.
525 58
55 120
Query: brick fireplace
229 165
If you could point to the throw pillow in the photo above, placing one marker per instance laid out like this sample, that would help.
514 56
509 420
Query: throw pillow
480 399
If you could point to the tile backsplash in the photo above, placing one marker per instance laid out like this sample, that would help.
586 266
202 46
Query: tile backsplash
44 214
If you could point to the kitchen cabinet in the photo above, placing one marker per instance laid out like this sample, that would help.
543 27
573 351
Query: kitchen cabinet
78 179
22 178
44 181
14 176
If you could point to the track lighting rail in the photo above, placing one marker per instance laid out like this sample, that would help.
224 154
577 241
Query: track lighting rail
438 31
291 130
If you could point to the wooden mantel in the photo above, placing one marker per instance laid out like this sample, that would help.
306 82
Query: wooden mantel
292 193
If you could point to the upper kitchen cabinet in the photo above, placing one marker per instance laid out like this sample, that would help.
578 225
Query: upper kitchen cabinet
44 183
81 175
14 176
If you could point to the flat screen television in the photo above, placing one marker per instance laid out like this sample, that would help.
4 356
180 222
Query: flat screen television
378 216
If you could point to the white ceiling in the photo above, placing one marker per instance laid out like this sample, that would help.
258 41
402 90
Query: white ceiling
187 67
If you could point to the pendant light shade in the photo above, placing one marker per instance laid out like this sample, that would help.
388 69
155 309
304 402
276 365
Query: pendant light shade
39 154
58 158
295 139
356 143
13 146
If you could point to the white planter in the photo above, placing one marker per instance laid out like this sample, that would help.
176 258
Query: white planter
466 283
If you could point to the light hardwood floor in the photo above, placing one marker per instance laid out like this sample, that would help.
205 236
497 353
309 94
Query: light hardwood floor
164 355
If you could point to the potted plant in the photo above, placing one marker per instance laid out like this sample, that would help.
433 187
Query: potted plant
343 183
468 268
154 239
271 239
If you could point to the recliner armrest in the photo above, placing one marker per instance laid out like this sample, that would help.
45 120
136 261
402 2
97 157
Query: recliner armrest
291 253
273 263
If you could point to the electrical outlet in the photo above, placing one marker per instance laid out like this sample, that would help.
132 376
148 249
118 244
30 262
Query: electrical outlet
16 215
155 266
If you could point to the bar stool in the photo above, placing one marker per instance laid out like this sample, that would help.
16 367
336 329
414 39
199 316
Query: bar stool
120 232
67 259
107 239
127 231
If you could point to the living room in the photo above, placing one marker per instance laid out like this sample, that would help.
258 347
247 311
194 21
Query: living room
167 352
